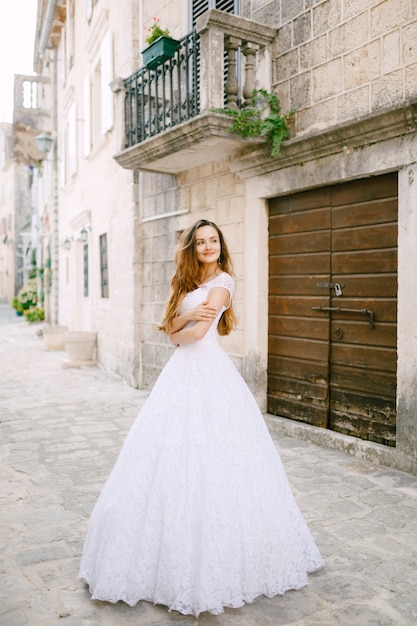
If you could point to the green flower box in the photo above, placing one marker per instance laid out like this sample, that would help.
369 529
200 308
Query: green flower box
159 51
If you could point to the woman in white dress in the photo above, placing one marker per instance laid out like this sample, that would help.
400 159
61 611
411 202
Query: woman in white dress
197 513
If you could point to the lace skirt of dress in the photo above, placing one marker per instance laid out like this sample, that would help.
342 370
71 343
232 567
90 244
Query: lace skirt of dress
197 513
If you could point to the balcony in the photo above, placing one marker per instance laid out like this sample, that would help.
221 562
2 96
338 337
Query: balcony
170 125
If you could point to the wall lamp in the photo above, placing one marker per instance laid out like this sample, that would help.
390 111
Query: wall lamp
66 244
44 143
84 233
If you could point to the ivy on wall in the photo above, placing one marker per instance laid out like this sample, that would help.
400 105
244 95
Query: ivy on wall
262 118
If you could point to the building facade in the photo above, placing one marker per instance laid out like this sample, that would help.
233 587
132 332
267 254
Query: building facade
322 234
21 228
7 261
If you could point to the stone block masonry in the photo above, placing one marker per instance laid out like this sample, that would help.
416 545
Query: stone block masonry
208 192
336 61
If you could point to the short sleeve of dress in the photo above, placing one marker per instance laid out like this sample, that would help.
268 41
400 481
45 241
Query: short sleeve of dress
226 281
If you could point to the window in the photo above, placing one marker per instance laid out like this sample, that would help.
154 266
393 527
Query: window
96 107
106 76
29 96
101 94
104 269
85 257
86 116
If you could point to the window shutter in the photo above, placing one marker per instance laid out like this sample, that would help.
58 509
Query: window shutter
198 7
104 267
106 58
86 116
230 6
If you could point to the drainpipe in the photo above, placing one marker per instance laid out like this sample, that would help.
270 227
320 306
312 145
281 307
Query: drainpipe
47 26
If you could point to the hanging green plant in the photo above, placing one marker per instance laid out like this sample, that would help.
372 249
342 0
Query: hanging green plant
261 119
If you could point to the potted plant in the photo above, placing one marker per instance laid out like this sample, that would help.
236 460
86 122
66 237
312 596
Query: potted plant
27 297
17 306
35 314
161 46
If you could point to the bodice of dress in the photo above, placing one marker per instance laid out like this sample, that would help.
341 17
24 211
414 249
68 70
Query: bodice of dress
194 298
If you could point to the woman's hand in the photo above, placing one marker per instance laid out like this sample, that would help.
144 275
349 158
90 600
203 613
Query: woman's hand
204 312
203 315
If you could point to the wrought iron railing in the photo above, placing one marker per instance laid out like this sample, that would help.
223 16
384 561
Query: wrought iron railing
157 99
217 65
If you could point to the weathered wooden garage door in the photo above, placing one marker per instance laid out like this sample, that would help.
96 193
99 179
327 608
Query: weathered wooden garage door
332 307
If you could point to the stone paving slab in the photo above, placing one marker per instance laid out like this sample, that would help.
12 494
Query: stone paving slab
61 431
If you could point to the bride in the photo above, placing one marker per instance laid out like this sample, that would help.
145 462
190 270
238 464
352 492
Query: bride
197 513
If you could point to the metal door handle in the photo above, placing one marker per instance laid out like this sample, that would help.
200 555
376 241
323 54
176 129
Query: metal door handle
338 309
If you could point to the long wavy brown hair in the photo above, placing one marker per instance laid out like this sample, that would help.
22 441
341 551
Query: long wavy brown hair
188 276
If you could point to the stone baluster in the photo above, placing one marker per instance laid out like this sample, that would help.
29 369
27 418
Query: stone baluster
231 45
249 50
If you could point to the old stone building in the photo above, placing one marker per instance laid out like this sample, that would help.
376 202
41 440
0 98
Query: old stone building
7 230
20 231
322 234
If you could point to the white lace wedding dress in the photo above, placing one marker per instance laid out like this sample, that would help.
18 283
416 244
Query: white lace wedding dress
197 514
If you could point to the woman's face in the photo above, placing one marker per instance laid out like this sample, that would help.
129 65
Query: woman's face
207 245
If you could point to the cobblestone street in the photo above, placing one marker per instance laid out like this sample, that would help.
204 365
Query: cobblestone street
61 431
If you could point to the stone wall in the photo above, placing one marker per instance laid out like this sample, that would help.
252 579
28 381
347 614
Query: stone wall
337 60
334 61
168 206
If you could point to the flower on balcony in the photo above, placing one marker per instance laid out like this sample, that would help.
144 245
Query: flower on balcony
155 31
